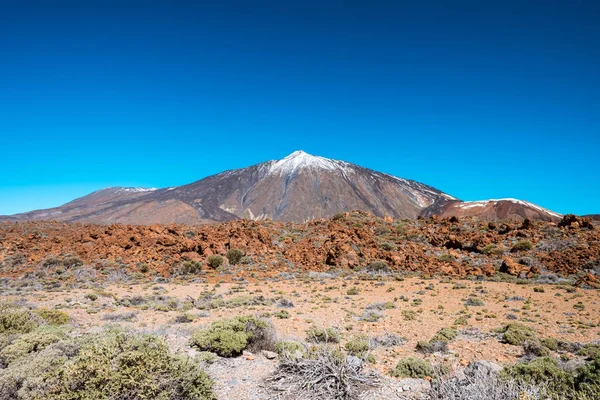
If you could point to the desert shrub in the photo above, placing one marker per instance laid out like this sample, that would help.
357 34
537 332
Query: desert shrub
234 256
326 374
353 291
446 258
229 337
387 340
184 318
517 334
371 316
439 342
234 302
16 320
15 260
492 249
543 370
215 261
388 246
445 335
190 267
535 349
377 266
358 346
289 349
481 384
50 262
246 260
282 314
111 365
409 315
124 316
338 216
53 317
412 367
474 302
388 305
323 335
590 350
523 245
124 365
91 296
285 303
27 343
550 343
71 262
431 347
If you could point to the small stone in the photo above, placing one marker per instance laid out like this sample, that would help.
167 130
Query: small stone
269 355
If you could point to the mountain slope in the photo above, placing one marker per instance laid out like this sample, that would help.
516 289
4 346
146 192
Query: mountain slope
298 188
501 209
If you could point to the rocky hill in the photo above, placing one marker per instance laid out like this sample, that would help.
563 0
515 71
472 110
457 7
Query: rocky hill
492 210
357 241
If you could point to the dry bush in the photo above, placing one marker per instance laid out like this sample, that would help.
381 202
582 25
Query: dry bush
481 384
325 374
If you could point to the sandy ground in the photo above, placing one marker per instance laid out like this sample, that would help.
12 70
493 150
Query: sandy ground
553 311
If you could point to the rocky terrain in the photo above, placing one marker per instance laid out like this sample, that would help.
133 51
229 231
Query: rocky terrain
412 309
450 246
297 188
503 209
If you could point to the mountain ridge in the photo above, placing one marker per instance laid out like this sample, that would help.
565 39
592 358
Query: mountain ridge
298 188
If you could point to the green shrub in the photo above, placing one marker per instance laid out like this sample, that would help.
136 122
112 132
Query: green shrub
230 337
190 267
323 335
474 302
543 370
378 266
71 262
445 335
523 245
550 343
353 291
123 365
111 365
215 261
53 317
282 314
358 346
30 342
412 367
492 249
234 256
388 246
289 349
590 350
15 320
517 334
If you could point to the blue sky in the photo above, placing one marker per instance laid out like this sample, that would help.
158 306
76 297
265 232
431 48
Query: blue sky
481 99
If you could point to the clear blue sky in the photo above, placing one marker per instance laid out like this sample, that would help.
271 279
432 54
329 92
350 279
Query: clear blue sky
481 99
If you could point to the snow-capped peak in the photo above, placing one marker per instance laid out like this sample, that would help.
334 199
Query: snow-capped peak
299 159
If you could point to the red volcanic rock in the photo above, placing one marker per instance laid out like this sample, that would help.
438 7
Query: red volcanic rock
432 246
572 221
511 267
